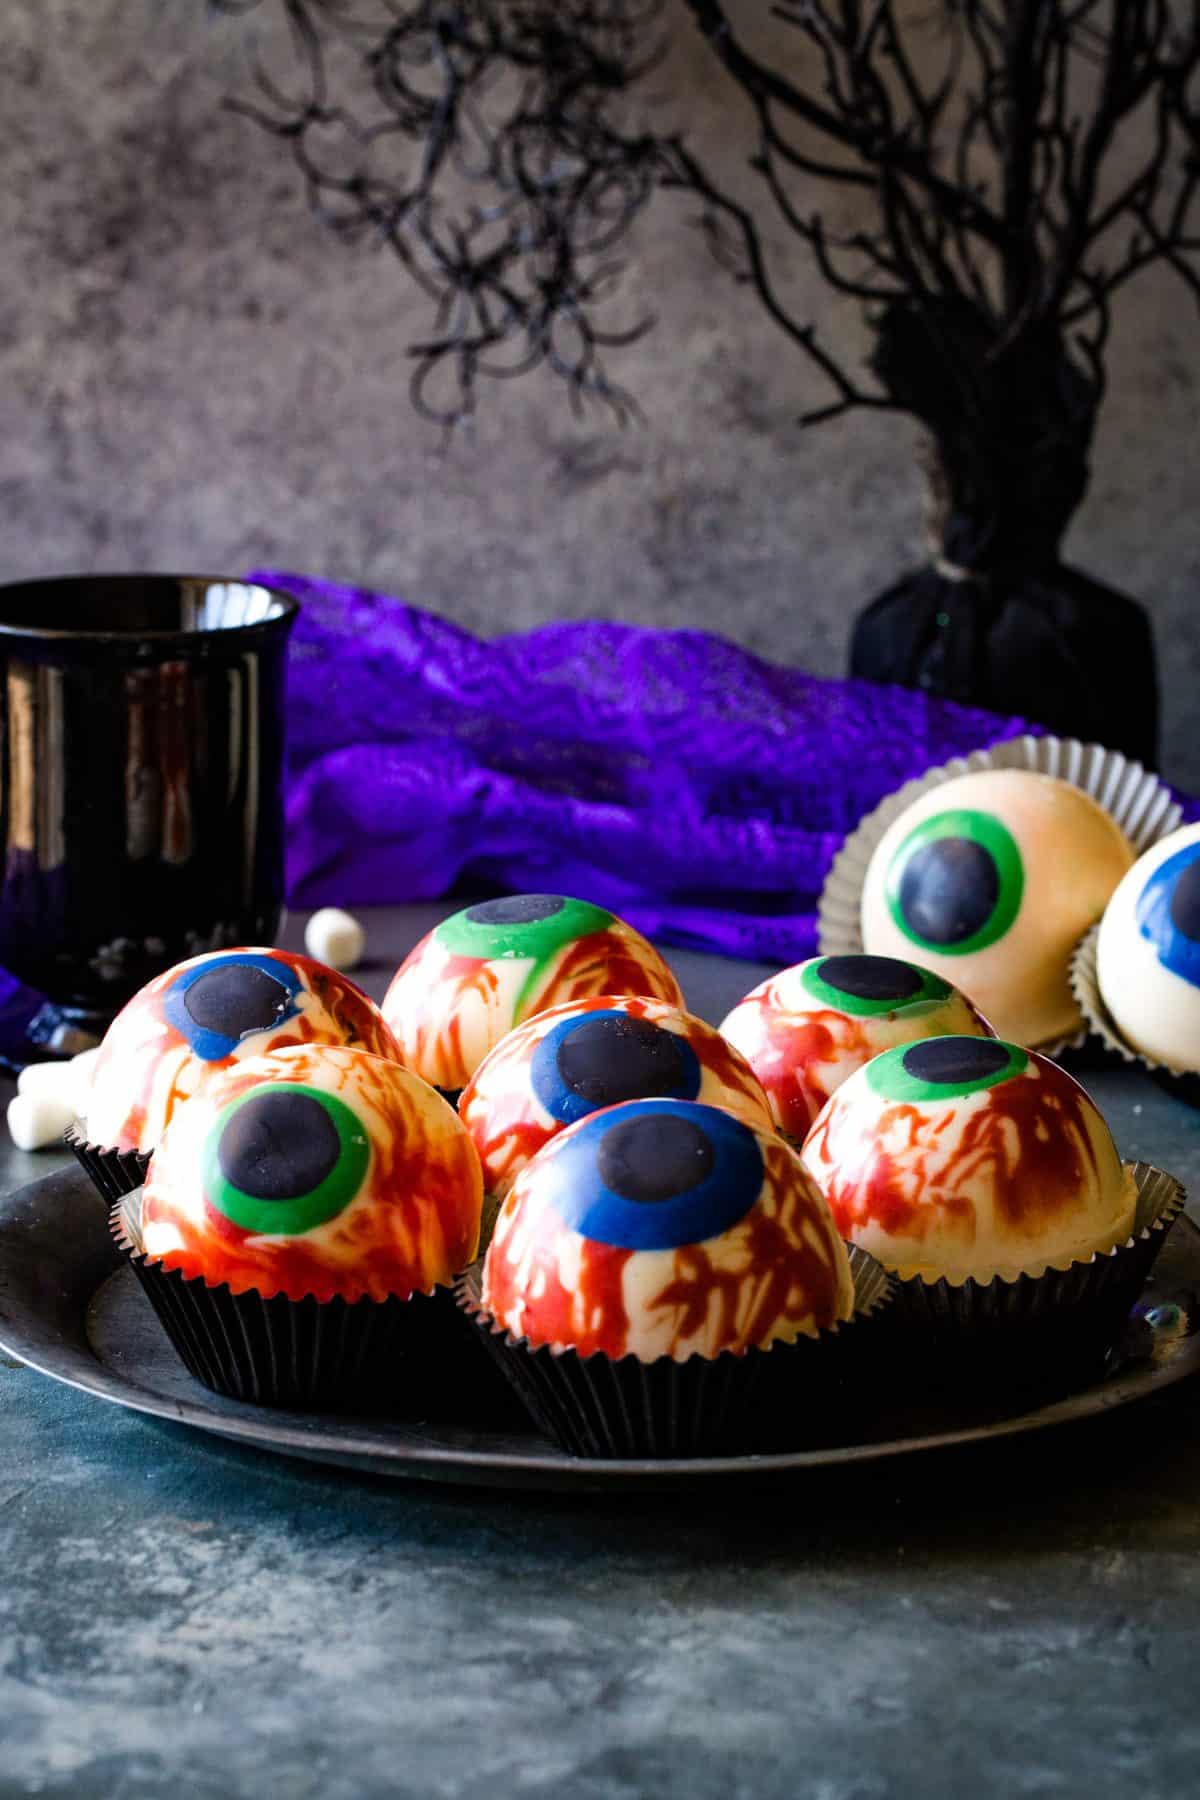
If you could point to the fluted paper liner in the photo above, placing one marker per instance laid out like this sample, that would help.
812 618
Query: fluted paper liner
773 1398
409 1356
114 1173
1057 1325
1140 803
1085 985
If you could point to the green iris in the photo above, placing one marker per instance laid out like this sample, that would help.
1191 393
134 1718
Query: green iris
283 1159
535 925
869 986
956 882
530 926
944 1068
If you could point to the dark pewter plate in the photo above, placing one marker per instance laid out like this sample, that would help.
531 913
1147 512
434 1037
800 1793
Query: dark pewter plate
69 1309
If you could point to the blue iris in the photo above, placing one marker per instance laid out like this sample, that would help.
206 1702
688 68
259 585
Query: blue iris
655 1175
1168 913
606 1057
224 999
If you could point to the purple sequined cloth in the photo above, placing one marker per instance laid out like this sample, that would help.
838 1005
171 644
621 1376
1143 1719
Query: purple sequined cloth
694 788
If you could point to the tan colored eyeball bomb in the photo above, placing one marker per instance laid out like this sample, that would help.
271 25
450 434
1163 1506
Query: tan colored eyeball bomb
663 1228
967 1158
493 965
1148 953
807 1029
990 880
576 1059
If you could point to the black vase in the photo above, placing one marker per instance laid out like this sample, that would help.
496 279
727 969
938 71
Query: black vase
1048 645
996 619
141 782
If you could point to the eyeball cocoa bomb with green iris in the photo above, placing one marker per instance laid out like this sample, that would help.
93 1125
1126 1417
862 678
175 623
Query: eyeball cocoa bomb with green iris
807 1029
314 1170
990 880
493 965
967 1158
1148 953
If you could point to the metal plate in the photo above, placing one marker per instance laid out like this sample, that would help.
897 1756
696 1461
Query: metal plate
70 1310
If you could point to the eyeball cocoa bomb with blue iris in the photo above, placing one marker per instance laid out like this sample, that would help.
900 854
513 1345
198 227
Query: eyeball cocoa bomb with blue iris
807 1029
990 880
967 1158
1148 953
493 965
574 1060
663 1228
314 1170
187 1026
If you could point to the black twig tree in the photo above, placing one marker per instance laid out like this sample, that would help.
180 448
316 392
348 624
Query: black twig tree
1017 163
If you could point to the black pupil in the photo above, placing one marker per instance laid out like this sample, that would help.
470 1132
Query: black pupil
279 1146
1185 902
949 889
654 1158
952 1060
871 977
606 1061
235 1000
515 909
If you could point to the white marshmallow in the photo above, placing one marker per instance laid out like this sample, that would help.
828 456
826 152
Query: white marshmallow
38 1120
68 1082
335 937
53 1078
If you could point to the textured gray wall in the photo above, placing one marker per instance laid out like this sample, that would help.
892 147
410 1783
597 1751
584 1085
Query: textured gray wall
195 374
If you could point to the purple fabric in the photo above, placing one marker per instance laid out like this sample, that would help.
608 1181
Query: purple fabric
18 1006
694 788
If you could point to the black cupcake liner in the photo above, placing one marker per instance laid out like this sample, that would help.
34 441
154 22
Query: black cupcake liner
114 1173
1085 985
411 1356
487 1220
1047 1329
600 1406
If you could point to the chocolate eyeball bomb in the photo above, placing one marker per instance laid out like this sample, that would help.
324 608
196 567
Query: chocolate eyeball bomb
807 1029
573 1060
663 1228
493 965
1148 953
188 1026
990 880
967 1158
314 1170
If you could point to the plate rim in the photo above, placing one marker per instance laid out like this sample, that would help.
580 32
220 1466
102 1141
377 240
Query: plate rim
262 1429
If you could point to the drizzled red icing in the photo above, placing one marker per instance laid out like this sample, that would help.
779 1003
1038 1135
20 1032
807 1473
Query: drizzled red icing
146 1068
779 1272
616 961
791 1053
1014 1176
412 1224
588 1315
448 1011
508 1123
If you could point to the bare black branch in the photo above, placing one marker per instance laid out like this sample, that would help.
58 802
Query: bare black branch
1016 163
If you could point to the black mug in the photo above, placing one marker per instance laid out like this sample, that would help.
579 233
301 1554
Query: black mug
141 782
